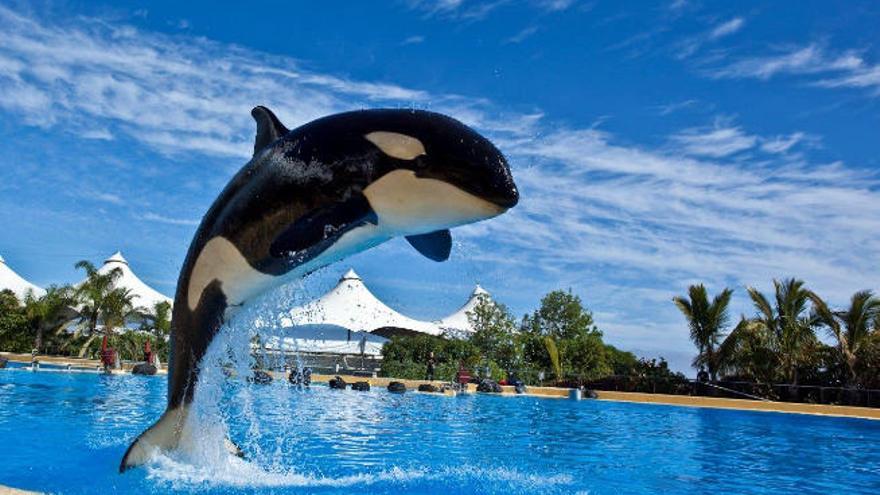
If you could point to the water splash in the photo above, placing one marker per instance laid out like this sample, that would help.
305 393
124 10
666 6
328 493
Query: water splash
261 419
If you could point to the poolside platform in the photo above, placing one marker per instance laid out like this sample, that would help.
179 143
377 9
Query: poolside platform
5 490
742 404
90 364
412 385
660 399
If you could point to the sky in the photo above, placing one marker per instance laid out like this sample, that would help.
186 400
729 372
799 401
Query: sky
655 144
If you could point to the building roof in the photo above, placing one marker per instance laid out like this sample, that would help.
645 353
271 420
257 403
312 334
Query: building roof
351 305
144 295
458 322
326 339
16 283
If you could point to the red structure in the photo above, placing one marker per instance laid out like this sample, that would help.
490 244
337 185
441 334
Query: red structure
108 355
148 353
462 377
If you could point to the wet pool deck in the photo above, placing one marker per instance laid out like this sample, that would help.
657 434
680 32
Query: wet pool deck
743 404
545 392
87 364
5 490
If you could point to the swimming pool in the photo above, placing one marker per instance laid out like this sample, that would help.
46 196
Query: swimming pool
66 432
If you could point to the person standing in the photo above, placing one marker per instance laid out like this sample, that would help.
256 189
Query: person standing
429 374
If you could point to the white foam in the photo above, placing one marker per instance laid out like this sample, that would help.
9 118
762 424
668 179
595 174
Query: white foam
239 473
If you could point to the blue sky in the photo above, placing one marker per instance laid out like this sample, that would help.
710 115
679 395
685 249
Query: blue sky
656 144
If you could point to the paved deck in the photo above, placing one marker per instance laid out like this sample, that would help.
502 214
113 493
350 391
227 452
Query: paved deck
742 404
72 361
5 490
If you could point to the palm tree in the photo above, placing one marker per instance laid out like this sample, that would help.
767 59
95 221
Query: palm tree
851 328
92 296
747 352
118 307
707 322
158 320
787 323
50 312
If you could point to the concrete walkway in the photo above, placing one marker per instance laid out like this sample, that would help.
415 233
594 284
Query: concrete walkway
5 490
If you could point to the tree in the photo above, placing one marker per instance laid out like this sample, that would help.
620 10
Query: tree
786 322
495 333
850 328
576 346
747 352
158 320
118 307
707 322
553 353
562 315
13 324
93 296
50 312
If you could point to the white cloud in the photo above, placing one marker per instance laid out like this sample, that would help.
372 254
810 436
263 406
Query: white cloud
781 144
154 217
522 35
715 141
470 10
691 45
556 5
676 106
413 40
832 70
727 28
173 95
106 197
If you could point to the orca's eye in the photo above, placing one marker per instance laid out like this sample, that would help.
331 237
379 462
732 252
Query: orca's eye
420 162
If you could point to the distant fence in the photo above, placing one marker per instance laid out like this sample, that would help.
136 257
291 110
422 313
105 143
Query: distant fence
809 394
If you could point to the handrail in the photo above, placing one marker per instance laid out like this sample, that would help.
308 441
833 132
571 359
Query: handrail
730 390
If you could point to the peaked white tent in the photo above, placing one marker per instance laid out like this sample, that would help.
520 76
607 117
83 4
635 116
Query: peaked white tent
327 339
352 306
144 295
458 324
14 282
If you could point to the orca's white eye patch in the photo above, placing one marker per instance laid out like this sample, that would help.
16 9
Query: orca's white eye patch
397 145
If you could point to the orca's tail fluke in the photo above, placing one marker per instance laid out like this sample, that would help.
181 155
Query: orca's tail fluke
164 435
167 434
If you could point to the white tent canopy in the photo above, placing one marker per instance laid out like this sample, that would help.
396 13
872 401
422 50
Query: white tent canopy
144 295
458 323
351 305
328 339
14 282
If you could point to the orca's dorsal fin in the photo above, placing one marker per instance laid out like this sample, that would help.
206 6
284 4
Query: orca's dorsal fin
433 245
269 128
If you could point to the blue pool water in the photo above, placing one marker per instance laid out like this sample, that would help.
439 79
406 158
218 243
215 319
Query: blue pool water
66 432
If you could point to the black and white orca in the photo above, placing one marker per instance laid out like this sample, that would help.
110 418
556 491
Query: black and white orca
309 197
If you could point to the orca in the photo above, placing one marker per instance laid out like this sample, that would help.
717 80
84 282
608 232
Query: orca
309 197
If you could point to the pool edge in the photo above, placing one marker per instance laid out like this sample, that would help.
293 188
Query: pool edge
8 490
742 404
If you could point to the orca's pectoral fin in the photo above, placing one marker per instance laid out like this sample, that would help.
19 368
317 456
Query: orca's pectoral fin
269 128
434 245
233 448
163 435
323 223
